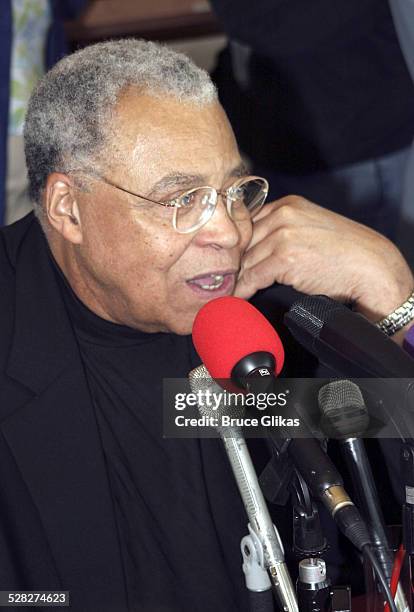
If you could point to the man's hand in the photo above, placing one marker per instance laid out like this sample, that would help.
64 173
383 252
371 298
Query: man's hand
317 251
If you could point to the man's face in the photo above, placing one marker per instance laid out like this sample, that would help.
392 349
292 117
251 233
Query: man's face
140 271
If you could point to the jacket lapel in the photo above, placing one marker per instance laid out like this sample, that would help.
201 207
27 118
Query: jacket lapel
55 440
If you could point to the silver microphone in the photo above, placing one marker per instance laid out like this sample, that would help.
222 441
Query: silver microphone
249 488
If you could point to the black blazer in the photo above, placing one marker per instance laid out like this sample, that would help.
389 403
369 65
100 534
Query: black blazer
57 527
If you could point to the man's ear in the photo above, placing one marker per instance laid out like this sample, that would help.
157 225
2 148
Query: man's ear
61 207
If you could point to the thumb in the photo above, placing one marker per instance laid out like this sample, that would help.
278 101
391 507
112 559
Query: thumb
250 280
243 289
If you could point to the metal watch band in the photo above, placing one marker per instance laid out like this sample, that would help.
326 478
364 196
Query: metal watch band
397 319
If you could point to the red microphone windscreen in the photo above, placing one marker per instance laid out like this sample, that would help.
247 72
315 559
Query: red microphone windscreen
227 329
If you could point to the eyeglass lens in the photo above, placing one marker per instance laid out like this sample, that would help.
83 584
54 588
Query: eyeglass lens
197 205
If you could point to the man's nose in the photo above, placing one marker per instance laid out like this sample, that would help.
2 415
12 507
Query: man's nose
220 231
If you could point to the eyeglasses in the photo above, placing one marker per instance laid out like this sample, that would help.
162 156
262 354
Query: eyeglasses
195 207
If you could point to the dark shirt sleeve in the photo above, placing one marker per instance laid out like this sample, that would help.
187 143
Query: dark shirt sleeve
408 343
70 9
280 28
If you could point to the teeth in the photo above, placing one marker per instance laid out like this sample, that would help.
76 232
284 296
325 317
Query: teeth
218 280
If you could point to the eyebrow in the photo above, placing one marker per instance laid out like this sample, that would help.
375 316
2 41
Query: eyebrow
180 179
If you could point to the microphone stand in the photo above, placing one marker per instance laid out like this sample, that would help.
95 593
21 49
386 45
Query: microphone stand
279 481
257 578
313 586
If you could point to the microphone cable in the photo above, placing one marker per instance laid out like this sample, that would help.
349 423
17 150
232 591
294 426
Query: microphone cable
396 571
369 553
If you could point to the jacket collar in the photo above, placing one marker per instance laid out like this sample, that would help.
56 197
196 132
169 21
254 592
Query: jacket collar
54 438
43 343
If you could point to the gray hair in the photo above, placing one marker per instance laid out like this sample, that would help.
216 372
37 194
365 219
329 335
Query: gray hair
69 114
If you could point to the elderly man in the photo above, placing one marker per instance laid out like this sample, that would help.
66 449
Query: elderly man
147 213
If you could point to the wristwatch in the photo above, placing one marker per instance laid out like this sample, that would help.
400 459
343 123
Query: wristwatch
397 319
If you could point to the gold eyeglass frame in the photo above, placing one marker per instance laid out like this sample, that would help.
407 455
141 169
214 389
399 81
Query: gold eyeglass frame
174 202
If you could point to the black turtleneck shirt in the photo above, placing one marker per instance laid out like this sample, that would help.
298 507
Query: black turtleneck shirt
179 516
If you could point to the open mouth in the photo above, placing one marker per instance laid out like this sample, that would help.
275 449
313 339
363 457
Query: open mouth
210 283
222 282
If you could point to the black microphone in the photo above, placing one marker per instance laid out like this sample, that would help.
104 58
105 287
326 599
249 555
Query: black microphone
345 416
346 341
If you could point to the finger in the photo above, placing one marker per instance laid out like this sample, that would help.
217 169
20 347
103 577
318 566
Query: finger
263 275
257 253
286 239
265 226
289 200
282 215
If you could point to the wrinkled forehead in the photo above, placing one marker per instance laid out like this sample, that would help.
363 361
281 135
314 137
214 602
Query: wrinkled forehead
154 134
